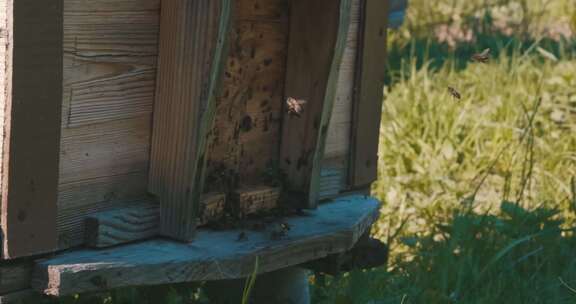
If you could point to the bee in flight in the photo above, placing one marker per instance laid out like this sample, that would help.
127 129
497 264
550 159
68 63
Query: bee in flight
482 57
295 106
454 93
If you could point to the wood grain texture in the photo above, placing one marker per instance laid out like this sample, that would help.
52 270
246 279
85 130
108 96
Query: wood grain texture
245 137
214 255
317 40
32 105
370 86
191 59
139 220
110 54
339 128
15 276
4 63
122 225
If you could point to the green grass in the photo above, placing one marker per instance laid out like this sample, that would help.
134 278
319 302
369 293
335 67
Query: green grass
478 201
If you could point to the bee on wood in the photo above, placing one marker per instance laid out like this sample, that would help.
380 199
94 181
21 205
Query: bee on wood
482 57
280 231
285 226
454 93
241 237
295 106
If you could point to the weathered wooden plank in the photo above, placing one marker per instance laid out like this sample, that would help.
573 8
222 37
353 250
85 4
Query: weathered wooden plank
214 255
188 80
109 65
317 39
246 133
99 6
253 199
110 54
4 63
123 225
32 108
15 276
140 220
339 129
370 83
106 150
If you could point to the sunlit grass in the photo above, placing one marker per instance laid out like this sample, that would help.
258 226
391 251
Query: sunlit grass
512 241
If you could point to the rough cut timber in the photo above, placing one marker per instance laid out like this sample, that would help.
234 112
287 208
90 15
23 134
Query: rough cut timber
370 86
193 36
123 225
336 159
246 133
251 200
140 220
32 78
110 54
318 31
214 255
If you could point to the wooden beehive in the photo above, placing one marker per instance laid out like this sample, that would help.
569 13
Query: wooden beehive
128 119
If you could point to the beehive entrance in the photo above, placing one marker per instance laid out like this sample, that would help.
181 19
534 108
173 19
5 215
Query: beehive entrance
243 143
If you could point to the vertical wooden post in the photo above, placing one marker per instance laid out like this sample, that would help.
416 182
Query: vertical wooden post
318 31
32 95
192 50
370 83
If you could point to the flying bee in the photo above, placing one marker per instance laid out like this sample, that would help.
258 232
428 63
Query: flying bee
482 57
454 93
295 106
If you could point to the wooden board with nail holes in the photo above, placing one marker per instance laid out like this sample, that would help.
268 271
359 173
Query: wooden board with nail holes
140 220
251 200
188 78
32 81
245 137
370 86
214 255
110 53
318 31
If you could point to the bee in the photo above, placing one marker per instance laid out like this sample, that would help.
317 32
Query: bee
280 231
241 237
482 57
285 226
295 106
454 93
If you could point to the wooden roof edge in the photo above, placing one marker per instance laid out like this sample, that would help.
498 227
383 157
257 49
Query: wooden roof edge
214 255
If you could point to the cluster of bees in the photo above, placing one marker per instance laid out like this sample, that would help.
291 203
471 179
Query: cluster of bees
479 57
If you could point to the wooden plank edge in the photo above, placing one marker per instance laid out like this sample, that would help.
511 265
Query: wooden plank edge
255 199
215 255
330 96
140 221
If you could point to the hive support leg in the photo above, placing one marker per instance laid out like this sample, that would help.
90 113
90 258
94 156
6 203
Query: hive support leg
288 285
